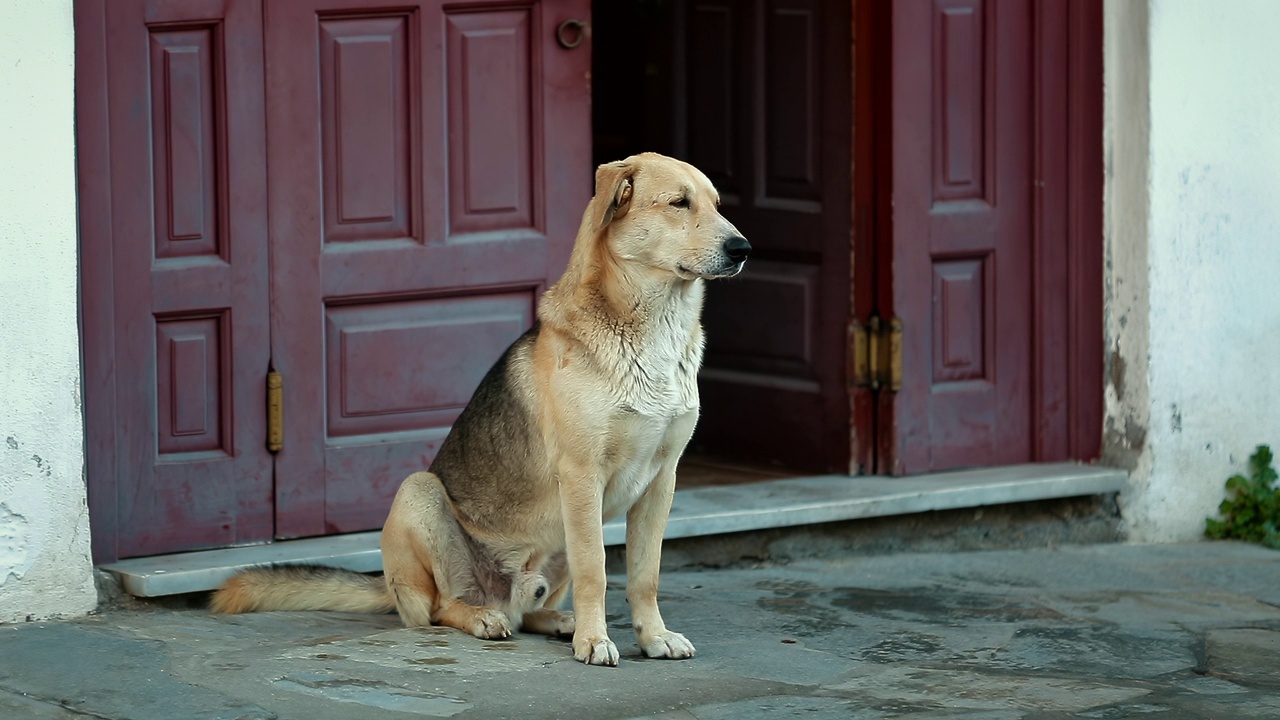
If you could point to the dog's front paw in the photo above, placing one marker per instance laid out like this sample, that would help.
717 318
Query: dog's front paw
667 644
490 624
598 650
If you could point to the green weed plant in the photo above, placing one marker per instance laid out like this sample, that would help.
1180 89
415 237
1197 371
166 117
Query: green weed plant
1251 511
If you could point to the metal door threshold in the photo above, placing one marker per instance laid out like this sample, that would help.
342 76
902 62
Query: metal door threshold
696 512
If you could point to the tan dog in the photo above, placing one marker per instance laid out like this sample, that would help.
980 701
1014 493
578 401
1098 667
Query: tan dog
582 419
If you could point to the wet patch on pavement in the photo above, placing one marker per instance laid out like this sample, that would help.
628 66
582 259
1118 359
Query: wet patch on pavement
374 694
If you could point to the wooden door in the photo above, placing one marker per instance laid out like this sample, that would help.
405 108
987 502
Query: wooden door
961 229
767 97
991 212
428 168
174 246
420 185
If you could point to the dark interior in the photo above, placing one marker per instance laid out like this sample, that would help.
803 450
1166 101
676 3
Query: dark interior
633 88
635 107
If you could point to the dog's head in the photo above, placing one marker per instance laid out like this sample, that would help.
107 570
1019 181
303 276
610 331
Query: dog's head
664 214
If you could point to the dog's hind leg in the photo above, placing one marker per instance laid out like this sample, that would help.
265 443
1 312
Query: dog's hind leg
548 620
427 563
485 623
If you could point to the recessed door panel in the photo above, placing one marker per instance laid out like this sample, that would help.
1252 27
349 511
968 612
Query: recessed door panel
367 123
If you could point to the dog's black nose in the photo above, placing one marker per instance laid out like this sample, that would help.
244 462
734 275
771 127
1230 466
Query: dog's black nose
737 248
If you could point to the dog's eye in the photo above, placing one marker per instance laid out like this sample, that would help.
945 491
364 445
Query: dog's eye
682 203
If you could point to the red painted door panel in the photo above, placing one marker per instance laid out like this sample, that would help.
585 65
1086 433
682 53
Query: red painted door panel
428 168
176 273
962 235
769 108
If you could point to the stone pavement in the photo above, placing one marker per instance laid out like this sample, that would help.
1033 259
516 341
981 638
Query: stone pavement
1101 631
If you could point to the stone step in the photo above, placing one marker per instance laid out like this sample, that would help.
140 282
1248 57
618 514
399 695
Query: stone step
695 512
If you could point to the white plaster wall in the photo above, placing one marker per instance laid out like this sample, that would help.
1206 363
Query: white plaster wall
45 567
1208 288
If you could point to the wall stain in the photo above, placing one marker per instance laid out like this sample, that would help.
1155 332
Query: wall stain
42 466
1117 374
1121 447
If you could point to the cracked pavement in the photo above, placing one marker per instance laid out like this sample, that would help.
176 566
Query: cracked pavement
1098 631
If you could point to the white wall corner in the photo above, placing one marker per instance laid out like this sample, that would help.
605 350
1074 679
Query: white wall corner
45 565
1126 282
1193 251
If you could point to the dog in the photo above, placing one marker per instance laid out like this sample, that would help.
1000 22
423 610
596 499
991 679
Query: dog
584 418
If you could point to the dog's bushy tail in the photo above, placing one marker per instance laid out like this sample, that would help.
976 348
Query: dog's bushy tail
302 587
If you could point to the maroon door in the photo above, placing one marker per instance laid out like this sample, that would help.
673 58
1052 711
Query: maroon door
428 168
991 210
768 102
174 242
961 224
420 184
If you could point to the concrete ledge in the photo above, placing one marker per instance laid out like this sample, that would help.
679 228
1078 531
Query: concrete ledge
697 512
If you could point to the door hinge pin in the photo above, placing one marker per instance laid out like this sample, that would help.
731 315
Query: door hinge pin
875 354
275 411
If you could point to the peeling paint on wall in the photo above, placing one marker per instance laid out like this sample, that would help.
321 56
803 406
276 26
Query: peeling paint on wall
1193 238
15 545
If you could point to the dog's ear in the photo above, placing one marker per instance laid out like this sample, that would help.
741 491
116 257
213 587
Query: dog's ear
613 192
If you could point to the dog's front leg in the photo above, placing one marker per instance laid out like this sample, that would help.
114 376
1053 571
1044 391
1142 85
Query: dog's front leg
646 524
581 504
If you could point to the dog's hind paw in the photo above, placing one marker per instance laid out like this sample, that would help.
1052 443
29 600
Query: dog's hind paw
544 621
490 624
595 651
667 644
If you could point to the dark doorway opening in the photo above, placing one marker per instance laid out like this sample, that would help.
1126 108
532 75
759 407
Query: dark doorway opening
758 96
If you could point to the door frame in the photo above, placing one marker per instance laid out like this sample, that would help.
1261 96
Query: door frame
97 290
1067 234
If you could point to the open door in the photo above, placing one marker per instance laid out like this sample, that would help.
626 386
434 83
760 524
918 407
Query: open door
989 209
769 110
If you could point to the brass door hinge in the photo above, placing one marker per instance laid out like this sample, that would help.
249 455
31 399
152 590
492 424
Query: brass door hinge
875 354
275 411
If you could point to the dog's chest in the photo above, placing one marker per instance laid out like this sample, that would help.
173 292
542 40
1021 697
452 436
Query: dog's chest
643 443
657 375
